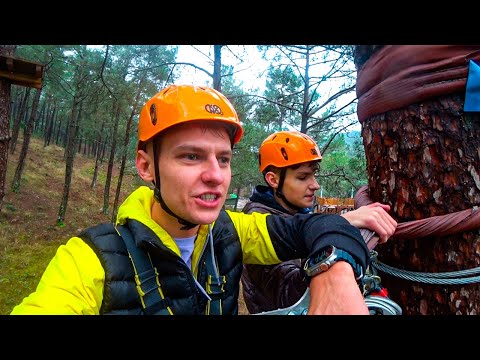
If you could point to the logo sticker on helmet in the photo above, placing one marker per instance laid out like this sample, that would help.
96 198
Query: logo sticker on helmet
153 114
213 109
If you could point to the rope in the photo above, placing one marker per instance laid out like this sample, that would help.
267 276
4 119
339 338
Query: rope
443 225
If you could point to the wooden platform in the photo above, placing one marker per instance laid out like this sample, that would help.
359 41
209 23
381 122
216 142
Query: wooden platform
21 72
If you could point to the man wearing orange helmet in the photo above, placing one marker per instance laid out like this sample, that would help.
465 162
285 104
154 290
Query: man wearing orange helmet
173 249
289 161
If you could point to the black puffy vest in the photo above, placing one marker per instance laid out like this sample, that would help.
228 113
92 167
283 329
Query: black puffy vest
181 293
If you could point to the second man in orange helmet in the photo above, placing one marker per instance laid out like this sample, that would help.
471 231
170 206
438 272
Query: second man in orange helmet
289 161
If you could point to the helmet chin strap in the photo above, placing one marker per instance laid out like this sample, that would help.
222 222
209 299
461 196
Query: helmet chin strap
187 225
278 191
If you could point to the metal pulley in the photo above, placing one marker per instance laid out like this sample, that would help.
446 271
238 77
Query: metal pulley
380 305
377 305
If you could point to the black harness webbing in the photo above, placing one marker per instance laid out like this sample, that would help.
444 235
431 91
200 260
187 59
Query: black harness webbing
146 277
215 289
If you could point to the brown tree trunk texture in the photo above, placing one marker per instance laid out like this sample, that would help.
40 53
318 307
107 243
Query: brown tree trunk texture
27 134
97 153
18 121
423 160
49 122
126 141
111 161
4 134
39 123
69 160
58 130
5 93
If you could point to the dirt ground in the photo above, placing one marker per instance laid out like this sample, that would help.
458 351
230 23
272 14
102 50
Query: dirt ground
242 309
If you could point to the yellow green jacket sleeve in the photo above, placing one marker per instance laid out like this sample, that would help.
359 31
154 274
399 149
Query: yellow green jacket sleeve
71 284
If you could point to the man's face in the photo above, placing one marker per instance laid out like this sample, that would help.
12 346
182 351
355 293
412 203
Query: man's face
300 185
195 171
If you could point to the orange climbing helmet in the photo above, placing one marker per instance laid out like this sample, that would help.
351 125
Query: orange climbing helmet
286 148
177 104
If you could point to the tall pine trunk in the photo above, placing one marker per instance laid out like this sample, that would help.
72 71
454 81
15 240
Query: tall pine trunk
5 92
423 160
27 134
69 159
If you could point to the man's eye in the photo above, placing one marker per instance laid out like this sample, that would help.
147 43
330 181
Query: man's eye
191 156
224 160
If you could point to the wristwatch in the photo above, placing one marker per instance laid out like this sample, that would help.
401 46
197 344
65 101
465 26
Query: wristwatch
324 259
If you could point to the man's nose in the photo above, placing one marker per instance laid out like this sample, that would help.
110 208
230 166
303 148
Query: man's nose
212 172
314 184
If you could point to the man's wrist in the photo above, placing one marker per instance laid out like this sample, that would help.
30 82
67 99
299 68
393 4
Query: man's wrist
323 260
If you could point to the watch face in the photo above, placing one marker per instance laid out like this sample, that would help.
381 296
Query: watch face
328 251
330 255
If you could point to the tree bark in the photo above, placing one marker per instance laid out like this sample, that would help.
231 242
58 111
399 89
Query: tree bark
126 141
27 134
423 160
5 92
98 153
69 159
111 160
18 121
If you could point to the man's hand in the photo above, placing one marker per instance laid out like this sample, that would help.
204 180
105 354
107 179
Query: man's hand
373 217
335 292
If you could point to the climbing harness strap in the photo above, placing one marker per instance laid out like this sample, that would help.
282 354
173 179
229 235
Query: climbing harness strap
146 277
215 283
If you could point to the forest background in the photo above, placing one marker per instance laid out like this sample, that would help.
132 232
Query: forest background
86 111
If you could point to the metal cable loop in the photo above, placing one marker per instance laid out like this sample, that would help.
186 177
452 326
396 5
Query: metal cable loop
443 278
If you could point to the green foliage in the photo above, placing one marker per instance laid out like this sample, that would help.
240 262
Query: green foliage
343 168
99 77
284 95
245 159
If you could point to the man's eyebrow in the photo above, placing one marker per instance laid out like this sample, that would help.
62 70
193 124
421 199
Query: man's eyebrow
306 172
189 147
196 148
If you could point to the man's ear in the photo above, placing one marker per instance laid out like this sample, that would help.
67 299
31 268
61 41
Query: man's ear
272 179
144 164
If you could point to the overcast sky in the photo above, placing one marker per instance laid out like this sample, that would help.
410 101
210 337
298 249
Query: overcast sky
249 72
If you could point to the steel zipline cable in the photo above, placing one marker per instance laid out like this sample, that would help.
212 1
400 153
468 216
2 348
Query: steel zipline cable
460 277
442 225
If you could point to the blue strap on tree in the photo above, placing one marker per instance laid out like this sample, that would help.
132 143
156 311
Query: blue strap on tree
146 277
472 95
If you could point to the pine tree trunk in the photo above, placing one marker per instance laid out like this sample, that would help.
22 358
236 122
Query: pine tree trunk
5 92
27 134
111 161
18 121
423 160
426 167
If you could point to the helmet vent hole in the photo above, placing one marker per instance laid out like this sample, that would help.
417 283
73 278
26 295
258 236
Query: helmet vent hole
153 114
284 153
